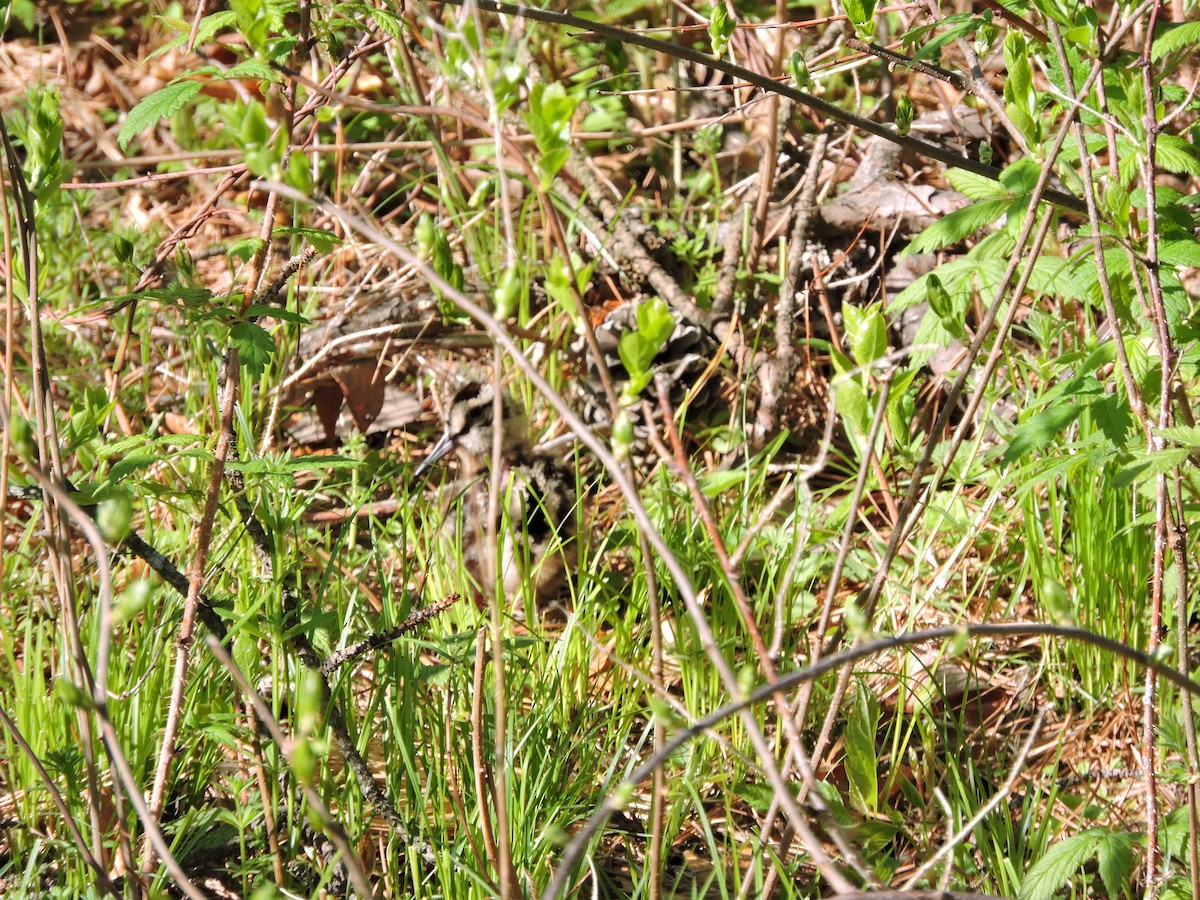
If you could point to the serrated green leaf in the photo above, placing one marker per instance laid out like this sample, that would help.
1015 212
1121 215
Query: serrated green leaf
1036 432
1184 435
1059 865
1115 855
389 23
255 346
957 225
159 105
1175 154
1175 37
1182 252
253 68
975 187
1147 465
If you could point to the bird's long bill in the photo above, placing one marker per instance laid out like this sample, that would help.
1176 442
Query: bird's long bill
441 448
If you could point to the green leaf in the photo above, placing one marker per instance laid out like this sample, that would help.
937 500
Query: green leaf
389 23
720 29
866 332
159 105
255 346
861 14
43 142
1184 435
904 115
956 226
1149 464
1176 155
1115 855
1183 252
975 187
1059 865
549 119
862 764
1174 37
1019 95
1036 432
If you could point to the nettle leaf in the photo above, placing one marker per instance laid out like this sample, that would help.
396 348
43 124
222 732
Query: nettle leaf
1184 435
159 105
389 23
1182 252
1146 465
975 187
1175 37
1036 432
1115 855
1061 863
1176 155
960 224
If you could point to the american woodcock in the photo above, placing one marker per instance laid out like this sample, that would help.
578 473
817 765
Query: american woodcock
535 532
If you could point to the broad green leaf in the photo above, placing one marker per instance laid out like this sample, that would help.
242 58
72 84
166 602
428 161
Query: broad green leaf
254 344
1059 865
861 14
720 28
1115 855
956 226
159 105
862 764
1175 154
866 333
1036 432
1176 37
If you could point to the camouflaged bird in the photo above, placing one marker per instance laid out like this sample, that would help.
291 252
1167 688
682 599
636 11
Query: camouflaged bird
536 528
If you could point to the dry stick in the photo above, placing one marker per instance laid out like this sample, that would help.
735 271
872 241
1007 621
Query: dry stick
775 373
58 545
626 245
795 742
1168 356
800 712
354 865
899 59
686 588
995 800
617 798
229 379
484 788
308 655
57 798
924 148
201 540
99 685
415 619
1179 546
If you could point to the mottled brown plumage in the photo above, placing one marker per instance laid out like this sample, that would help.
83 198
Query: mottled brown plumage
535 530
